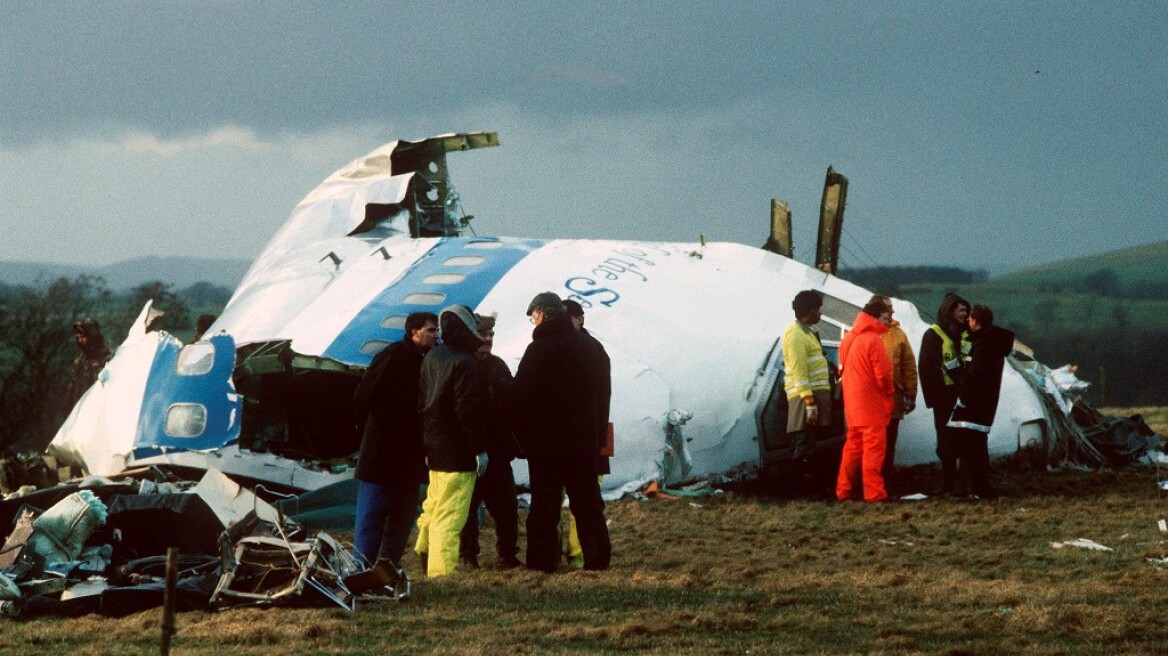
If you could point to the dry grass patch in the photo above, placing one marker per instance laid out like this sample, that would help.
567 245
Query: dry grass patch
759 574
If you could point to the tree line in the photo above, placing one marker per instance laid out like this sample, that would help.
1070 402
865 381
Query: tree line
890 279
38 348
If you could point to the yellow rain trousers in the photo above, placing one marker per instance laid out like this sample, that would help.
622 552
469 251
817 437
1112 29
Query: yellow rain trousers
443 516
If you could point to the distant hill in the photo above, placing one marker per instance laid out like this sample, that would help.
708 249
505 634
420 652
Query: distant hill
178 271
1140 272
1106 313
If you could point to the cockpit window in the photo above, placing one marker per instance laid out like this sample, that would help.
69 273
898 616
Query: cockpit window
841 311
186 420
195 359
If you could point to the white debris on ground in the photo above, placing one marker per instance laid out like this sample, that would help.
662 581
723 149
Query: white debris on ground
1082 543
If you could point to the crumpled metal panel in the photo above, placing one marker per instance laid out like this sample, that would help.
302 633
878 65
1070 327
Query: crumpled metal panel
265 570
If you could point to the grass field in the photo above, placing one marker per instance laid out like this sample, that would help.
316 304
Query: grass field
754 574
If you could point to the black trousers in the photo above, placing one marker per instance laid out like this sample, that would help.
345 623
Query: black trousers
946 448
973 451
495 488
893 432
550 477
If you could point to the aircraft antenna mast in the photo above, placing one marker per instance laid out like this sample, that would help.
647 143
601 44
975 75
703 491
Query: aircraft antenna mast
831 221
780 238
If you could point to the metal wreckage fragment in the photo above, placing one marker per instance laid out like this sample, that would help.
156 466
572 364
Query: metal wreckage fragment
97 550
263 564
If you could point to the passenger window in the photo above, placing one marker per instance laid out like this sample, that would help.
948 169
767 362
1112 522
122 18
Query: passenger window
424 298
374 346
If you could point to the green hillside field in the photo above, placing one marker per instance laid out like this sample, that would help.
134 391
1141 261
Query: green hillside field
1034 310
1106 313
1138 272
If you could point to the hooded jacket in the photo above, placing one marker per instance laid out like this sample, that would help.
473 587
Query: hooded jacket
90 361
559 394
451 396
978 401
939 383
904 367
866 373
386 402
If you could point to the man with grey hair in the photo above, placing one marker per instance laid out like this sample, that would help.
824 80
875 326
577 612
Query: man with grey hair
558 390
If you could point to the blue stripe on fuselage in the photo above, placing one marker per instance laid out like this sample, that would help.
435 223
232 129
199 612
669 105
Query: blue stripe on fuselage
479 280
212 389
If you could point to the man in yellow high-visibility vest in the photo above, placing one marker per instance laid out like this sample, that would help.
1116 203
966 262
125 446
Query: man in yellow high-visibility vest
944 355
806 374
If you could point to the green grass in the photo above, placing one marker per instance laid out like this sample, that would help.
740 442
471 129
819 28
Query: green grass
745 573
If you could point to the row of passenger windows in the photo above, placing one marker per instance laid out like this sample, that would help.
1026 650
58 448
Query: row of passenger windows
432 299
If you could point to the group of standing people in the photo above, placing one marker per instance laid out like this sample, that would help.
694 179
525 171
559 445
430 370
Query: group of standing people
963 355
451 415
960 374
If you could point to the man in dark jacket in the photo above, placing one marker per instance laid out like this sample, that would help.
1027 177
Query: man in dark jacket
977 403
455 437
495 488
559 391
391 465
604 363
943 355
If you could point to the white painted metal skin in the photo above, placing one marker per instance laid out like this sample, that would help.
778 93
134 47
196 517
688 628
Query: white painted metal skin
688 327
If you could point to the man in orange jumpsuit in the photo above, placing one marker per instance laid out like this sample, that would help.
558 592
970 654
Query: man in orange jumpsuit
866 374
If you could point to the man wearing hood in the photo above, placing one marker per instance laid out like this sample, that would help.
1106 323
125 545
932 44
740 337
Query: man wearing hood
944 353
92 358
866 376
454 435
391 466
559 388
977 403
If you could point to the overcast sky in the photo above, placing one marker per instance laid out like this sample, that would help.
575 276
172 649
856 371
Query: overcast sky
994 135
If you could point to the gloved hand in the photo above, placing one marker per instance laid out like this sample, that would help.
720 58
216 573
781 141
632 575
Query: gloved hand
481 464
909 405
812 414
953 364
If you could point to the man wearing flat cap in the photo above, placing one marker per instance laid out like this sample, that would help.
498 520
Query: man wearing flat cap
559 395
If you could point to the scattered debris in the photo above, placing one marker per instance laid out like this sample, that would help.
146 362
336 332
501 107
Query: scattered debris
98 546
1082 543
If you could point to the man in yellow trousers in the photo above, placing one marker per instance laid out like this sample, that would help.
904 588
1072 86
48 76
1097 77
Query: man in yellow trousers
454 435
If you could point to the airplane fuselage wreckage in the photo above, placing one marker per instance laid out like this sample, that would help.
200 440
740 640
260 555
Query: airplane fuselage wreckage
692 330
